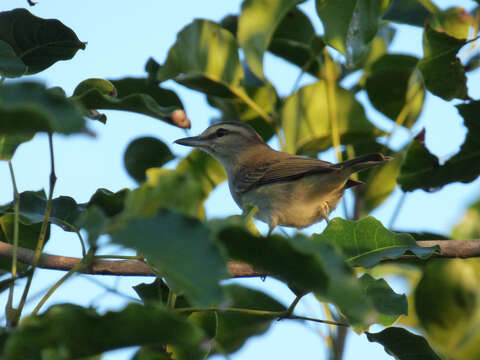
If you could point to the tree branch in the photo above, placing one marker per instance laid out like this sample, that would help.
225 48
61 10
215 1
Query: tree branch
449 249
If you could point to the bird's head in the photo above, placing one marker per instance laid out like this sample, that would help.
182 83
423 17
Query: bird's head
224 141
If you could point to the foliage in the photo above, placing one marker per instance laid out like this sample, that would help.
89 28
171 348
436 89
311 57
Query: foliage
188 312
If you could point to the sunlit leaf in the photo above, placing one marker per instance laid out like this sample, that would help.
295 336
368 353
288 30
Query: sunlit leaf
181 249
395 88
11 65
440 62
469 225
403 345
256 26
38 42
447 300
144 153
411 12
27 107
83 332
455 21
9 143
421 169
367 242
350 26
306 122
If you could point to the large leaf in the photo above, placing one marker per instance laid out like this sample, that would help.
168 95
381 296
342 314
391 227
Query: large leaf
82 332
350 26
411 12
144 153
11 65
9 143
256 26
367 242
421 169
180 248
469 225
234 329
395 88
306 124
455 21
184 189
132 94
447 303
403 345
39 43
440 62
27 107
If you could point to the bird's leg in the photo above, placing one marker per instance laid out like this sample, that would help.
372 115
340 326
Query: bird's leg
325 210
270 229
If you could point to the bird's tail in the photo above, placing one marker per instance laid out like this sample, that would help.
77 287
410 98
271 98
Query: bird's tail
363 162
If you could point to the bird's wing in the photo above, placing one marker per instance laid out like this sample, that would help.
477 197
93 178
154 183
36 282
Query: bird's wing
282 168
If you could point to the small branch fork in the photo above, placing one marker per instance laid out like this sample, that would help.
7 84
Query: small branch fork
449 249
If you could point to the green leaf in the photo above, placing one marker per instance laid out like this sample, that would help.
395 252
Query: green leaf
455 21
9 143
39 43
421 169
109 202
144 153
196 176
440 62
94 222
395 88
306 124
403 345
180 248
134 95
204 58
83 332
256 26
350 26
469 225
411 12
11 66
452 318
295 41
367 242
388 304
27 107
152 353
234 329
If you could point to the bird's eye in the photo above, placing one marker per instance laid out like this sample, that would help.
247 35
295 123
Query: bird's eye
222 132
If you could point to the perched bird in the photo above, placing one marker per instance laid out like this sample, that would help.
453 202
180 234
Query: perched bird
288 190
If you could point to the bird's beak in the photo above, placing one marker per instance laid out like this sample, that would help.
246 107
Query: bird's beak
195 141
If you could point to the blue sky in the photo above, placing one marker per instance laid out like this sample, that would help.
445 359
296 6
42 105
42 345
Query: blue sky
121 36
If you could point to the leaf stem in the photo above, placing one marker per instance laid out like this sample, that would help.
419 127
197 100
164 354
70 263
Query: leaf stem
396 212
172 299
272 314
43 230
16 199
121 257
332 105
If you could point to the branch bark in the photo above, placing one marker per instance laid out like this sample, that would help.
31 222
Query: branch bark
449 249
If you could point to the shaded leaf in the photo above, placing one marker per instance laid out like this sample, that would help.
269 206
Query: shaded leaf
11 66
421 169
9 143
306 124
446 302
133 95
94 222
469 225
255 36
395 88
440 62
180 248
38 42
367 242
109 202
473 63
350 26
234 329
152 353
411 12
403 345
27 107
144 153
82 332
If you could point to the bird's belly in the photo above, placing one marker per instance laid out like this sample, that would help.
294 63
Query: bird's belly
296 204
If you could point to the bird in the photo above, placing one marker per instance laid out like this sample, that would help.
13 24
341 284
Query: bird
287 190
